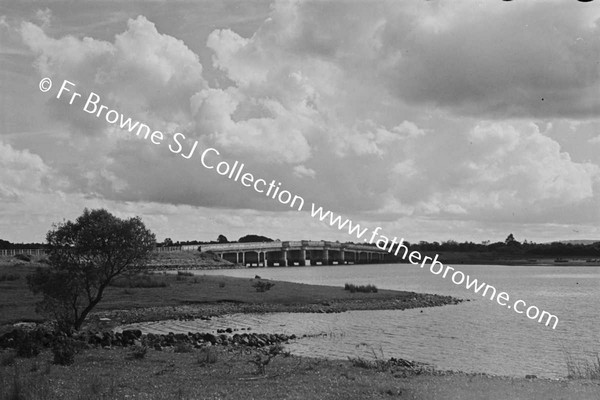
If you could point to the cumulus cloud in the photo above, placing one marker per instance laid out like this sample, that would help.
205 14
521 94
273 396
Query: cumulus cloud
391 108
301 171
20 172
144 73
494 169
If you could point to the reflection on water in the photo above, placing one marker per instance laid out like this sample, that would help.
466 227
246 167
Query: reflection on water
476 336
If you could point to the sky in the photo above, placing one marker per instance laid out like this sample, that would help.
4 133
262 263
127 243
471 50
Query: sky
434 120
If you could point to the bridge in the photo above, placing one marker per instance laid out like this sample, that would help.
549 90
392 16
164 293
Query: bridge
304 252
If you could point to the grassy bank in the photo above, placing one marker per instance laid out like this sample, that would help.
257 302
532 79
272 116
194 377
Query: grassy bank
163 296
230 373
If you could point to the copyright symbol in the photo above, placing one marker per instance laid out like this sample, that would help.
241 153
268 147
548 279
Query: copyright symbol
45 84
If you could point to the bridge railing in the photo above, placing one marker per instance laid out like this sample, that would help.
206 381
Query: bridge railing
291 244
240 246
29 252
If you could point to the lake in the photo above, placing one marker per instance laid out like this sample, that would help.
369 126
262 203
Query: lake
475 336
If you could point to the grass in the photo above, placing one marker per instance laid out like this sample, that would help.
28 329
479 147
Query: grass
139 281
17 303
183 348
207 355
9 277
229 374
8 359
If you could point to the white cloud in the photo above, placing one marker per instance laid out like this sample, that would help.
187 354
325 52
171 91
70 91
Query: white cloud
21 172
391 108
44 16
302 171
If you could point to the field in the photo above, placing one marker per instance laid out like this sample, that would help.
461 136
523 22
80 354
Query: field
229 373
155 296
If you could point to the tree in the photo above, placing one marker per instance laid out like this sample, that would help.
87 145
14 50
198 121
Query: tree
222 239
168 242
254 238
510 238
84 257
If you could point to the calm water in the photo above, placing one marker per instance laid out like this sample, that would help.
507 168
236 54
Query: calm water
476 336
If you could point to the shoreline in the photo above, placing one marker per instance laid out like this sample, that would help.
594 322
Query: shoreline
403 301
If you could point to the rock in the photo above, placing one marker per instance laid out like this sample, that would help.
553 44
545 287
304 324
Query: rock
530 376
209 337
135 333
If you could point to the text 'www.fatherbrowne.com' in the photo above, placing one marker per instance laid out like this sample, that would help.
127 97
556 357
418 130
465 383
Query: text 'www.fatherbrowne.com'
399 248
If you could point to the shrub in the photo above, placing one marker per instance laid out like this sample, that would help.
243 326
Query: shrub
262 286
85 256
27 347
8 359
185 273
207 355
9 277
360 288
23 257
377 364
138 352
64 352
221 285
183 347
264 356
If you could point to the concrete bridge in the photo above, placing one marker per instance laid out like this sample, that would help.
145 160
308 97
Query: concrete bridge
305 252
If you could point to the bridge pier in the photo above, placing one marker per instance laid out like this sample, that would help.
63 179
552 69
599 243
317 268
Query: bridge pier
284 258
302 261
326 260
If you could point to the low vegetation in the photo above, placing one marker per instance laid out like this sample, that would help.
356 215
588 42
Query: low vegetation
263 356
139 281
9 277
226 372
584 369
138 352
207 355
64 352
22 257
352 288
263 286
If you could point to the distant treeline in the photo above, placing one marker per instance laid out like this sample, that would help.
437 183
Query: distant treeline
509 247
6 245
513 247
220 239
